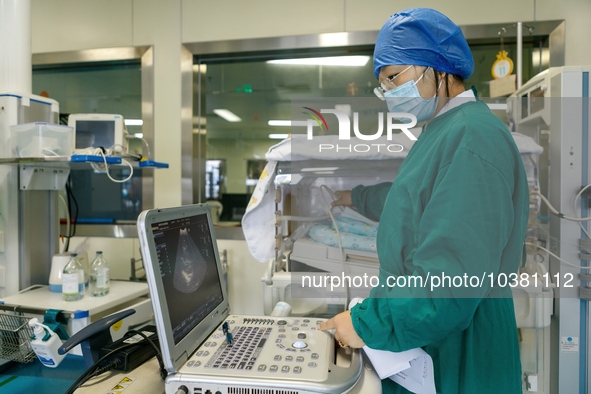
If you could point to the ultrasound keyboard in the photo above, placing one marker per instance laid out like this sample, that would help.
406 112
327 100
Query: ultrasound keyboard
286 352
242 353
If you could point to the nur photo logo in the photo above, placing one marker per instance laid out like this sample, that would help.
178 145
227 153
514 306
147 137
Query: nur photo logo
386 127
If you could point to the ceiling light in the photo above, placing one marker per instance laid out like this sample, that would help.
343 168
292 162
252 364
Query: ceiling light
134 122
319 169
303 123
278 136
279 123
350 61
227 115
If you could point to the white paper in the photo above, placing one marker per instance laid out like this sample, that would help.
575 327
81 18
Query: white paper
412 369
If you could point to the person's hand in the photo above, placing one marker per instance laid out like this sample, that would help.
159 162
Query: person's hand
343 197
344 333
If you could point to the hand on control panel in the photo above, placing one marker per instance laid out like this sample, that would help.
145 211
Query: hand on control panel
345 333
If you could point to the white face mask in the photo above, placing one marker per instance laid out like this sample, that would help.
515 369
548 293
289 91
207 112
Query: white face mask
407 99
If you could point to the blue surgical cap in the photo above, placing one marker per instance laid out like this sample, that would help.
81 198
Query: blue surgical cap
423 37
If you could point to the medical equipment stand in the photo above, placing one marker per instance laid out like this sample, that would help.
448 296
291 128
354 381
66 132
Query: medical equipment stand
553 108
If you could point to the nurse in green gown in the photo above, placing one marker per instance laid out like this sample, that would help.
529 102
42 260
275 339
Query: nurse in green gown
458 209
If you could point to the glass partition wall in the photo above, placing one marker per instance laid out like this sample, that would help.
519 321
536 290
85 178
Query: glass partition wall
104 88
246 107
109 81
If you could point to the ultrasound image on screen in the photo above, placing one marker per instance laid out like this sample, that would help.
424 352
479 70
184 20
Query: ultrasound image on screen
189 271
190 266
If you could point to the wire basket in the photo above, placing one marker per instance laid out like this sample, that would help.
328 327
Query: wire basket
15 338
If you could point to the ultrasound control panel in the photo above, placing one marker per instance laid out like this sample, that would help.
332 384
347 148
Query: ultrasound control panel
278 352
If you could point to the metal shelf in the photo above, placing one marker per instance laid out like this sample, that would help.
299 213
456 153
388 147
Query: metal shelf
51 173
77 162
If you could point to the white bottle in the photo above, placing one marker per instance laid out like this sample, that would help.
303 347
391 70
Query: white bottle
73 280
45 343
99 276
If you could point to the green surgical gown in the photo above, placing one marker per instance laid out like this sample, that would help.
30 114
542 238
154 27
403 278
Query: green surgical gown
458 208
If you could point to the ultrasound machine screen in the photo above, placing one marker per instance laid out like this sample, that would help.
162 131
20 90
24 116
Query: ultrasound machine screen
189 271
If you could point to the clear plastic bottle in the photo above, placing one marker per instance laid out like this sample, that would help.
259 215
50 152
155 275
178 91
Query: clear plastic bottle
73 279
99 276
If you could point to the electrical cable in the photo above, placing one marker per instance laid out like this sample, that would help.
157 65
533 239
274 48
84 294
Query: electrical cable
559 242
67 210
97 368
330 215
69 196
48 152
106 368
89 373
137 157
342 251
112 149
575 209
73 204
147 147
105 169
144 142
163 372
562 216
32 287
75 225
558 258
559 214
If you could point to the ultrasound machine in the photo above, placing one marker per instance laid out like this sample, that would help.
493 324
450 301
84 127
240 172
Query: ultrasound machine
205 348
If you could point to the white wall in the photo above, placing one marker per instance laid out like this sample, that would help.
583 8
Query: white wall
370 15
576 13
235 19
68 25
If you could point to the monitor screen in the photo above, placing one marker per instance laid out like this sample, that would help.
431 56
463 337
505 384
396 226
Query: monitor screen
189 271
95 133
